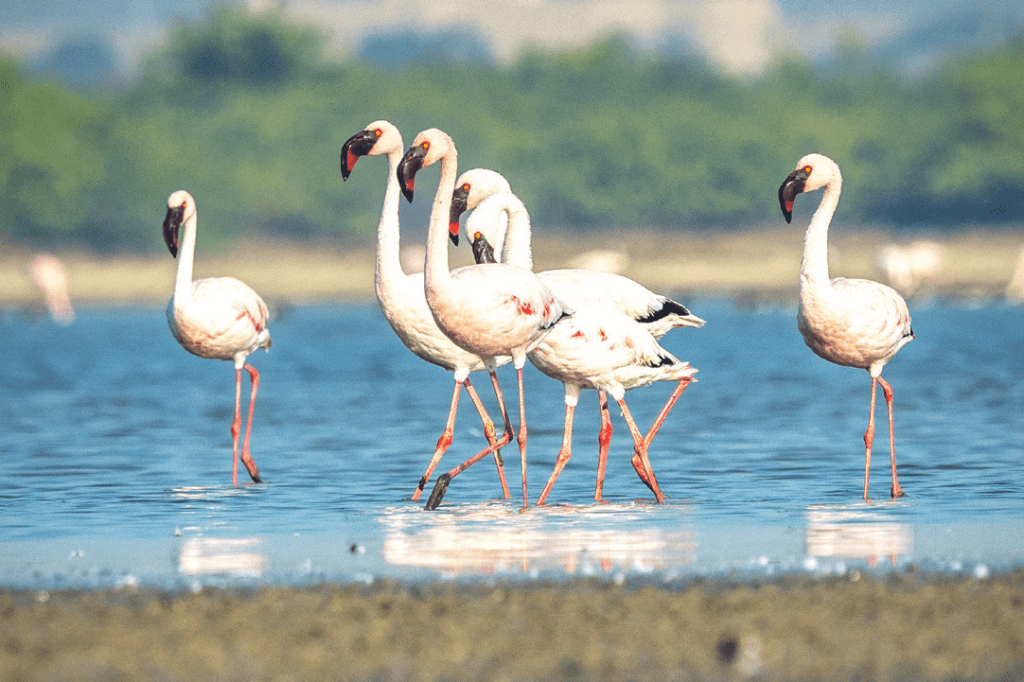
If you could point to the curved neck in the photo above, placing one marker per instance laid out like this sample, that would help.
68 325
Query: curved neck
518 249
388 262
435 269
186 256
814 268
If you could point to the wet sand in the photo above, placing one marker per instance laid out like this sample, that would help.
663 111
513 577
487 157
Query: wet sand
901 626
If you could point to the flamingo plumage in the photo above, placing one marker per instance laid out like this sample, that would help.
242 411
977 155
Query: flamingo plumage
490 310
401 296
218 317
851 322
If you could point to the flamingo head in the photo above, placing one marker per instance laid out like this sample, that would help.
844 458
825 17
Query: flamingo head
472 187
380 137
180 207
814 171
483 252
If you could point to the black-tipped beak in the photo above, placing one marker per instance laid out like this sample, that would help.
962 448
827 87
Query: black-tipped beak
793 185
172 226
410 164
358 145
483 252
459 198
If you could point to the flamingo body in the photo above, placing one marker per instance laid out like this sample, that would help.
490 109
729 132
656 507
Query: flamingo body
851 322
220 318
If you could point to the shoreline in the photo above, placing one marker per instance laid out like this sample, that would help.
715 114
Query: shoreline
905 626
752 265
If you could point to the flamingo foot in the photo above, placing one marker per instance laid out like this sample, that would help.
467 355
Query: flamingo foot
897 492
440 488
250 466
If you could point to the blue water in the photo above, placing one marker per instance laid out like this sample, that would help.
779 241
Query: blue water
115 456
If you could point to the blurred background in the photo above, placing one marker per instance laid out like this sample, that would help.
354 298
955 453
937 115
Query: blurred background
676 116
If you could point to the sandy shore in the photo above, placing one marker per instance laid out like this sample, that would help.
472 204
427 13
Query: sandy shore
744 264
903 627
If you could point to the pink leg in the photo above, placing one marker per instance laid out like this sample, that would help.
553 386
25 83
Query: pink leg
247 459
442 443
236 426
643 464
441 486
869 439
563 455
897 491
604 439
521 436
491 438
669 404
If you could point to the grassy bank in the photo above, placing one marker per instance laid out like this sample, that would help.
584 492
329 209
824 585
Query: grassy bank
750 264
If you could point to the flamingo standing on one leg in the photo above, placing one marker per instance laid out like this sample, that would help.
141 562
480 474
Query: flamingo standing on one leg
489 310
218 317
851 322
401 296
598 347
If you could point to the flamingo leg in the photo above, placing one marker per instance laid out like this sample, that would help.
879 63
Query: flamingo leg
604 439
640 446
521 436
491 438
869 439
236 426
669 404
443 442
441 485
247 459
897 491
563 455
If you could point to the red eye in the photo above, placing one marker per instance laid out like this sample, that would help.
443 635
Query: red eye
425 145
377 132
465 187
807 169
477 235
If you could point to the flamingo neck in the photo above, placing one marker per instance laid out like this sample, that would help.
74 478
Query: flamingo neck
186 257
435 268
814 268
518 249
388 264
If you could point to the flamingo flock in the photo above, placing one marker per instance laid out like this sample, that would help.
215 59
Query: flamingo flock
586 328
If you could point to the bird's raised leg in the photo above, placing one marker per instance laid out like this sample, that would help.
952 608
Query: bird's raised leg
640 448
441 485
869 439
491 438
563 455
897 491
247 459
443 442
604 439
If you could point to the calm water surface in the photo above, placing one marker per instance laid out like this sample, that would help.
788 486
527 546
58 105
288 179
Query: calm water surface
115 457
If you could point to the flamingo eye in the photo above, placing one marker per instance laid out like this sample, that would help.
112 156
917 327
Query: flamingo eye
465 187
184 204
807 169
477 235
425 146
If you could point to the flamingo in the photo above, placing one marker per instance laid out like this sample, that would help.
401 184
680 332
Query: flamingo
851 322
659 314
598 347
401 296
490 310
48 273
218 317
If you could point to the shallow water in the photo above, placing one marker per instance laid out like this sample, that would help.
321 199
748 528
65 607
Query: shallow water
115 457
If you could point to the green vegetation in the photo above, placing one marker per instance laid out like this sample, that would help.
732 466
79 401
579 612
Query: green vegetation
246 112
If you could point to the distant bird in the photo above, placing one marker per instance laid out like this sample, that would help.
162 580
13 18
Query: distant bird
47 272
597 347
489 310
401 296
851 322
218 317
1015 287
909 268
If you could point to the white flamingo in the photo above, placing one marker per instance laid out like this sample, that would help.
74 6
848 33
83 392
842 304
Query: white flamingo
401 296
659 314
218 317
48 273
489 310
599 347
851 322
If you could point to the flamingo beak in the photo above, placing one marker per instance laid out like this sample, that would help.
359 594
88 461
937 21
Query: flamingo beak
358 145
483 252
793 185
460 197
410 164
172 226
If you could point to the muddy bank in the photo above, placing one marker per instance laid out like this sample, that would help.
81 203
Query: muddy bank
904 626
